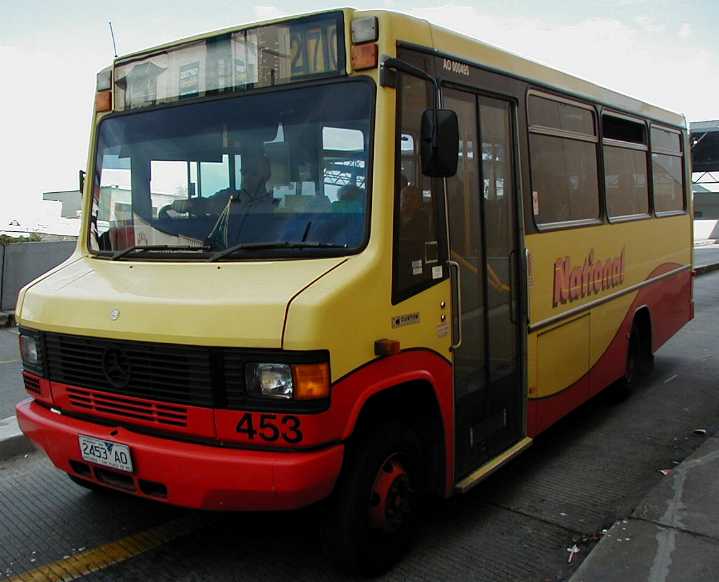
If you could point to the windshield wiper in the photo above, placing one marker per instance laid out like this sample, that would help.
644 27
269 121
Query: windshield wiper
139 249
275 245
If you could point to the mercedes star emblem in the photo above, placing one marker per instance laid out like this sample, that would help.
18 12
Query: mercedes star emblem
116 367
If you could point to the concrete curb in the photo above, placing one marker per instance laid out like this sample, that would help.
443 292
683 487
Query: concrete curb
673 525
12 441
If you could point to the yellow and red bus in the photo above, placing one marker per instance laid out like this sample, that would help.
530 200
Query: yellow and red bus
349 256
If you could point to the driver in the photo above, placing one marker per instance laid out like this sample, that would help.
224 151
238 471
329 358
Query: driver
252 197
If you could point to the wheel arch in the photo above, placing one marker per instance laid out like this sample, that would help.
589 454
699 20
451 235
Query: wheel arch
643 320
415 386
414 403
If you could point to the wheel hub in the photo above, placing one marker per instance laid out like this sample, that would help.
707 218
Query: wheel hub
390 498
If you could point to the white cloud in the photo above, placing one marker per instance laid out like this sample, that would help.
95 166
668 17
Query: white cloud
268 12
45 116
685 30
636 57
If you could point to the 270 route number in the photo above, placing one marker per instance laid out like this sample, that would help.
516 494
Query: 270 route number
271 427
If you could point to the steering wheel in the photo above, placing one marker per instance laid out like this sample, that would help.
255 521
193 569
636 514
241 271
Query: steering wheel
164 212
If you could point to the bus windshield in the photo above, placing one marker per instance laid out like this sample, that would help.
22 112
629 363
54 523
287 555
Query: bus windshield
274 172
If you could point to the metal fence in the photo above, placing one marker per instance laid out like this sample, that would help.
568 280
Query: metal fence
20 263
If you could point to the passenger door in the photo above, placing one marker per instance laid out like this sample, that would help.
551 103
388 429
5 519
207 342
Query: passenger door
482 219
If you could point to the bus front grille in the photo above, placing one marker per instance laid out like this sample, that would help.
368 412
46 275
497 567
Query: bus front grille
163 372
128 408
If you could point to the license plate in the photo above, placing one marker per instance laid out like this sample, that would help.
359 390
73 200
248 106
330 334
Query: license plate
107 453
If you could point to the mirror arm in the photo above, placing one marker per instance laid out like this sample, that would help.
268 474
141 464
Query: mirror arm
404 67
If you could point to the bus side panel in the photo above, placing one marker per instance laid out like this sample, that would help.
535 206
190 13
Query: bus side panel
562 365
668 300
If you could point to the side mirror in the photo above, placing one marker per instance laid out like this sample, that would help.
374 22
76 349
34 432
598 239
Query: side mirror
81 178
440 143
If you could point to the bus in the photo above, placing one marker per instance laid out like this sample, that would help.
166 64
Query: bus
352 258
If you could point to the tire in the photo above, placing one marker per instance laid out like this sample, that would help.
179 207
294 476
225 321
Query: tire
628 381
374 508
646 361
634 359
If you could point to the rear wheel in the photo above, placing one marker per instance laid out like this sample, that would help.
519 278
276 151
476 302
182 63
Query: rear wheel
634 357
632 366
375 504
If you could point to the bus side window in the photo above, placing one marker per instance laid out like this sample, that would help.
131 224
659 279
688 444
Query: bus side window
416 200
563 158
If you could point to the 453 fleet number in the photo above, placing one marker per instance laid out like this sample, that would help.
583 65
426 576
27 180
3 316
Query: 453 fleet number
270 427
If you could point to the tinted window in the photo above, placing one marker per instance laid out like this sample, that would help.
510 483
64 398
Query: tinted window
416 261
560 115
668 190
666 140
564 166
564 179
625 179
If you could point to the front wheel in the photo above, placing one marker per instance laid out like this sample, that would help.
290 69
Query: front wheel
375 504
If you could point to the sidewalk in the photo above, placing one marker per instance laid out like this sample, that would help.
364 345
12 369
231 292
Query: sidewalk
672 536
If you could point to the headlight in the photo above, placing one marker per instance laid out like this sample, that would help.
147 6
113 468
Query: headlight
30 350
285 381
270 380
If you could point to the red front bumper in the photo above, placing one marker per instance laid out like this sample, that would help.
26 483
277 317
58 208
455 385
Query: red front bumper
194 475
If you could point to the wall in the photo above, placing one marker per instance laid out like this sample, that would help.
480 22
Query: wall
706 230
706 205
22 262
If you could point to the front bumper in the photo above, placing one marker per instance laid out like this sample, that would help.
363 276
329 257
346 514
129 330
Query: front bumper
188 474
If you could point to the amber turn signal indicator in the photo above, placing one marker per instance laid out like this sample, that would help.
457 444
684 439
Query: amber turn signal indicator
364 56
386 347
103 101
312 381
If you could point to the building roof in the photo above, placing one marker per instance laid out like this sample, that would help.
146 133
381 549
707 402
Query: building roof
705 146
704 126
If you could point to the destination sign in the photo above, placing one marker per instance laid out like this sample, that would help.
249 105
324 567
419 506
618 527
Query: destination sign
257 57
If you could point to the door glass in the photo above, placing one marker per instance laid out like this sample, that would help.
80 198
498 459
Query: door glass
497 184
466 248
480 199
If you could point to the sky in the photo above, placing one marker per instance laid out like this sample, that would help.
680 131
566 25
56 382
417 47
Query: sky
665 52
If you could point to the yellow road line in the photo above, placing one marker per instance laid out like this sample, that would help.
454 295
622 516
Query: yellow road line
101 557
10 361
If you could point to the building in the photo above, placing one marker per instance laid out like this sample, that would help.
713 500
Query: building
705 167
71 201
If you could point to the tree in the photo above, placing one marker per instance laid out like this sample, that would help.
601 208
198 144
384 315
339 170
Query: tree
8 240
